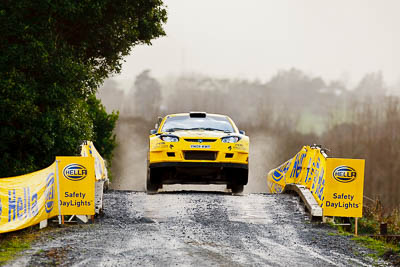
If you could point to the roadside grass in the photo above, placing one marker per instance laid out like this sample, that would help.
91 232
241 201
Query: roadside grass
369 232
381 248
11 244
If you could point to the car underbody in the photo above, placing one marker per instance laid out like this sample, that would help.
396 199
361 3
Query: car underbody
234 175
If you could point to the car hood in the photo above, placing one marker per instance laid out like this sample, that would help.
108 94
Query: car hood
200 133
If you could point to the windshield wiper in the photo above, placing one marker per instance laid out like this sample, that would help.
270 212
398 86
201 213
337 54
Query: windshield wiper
175 129
197 128
208 129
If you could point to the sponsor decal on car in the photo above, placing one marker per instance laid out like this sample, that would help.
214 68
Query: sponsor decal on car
200 146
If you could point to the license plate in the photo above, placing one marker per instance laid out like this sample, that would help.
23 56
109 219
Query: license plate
200 146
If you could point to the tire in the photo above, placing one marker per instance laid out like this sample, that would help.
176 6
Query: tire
151 188
237 188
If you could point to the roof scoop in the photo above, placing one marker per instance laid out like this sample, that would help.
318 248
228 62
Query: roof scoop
197 114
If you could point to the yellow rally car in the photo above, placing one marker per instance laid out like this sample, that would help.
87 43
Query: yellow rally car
197 148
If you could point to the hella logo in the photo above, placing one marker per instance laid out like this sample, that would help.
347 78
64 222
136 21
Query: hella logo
49 192
344 174
75 172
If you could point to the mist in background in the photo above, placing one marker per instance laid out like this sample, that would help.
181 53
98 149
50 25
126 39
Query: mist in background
290 73
290 110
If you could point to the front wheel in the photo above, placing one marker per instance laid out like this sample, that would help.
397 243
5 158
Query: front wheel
151 187
237 189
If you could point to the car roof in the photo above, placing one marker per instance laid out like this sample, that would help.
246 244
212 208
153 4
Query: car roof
187 114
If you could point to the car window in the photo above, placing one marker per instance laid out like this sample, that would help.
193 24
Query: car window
211 123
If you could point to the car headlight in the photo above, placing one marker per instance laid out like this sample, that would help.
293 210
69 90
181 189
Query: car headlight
169 138
230 139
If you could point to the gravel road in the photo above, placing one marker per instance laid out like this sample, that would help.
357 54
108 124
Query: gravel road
198 229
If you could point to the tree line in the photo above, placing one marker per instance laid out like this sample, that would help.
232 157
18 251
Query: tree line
53 57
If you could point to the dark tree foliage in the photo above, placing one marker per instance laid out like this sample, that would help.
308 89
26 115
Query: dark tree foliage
53 56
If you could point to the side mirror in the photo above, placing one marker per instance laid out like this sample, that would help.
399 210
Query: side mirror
159 120
153 131
242 132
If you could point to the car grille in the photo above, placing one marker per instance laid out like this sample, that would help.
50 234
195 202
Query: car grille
200 155
199 140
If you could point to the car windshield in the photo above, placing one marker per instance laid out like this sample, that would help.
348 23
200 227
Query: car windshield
209 123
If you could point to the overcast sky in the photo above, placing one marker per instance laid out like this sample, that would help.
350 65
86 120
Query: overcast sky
253 39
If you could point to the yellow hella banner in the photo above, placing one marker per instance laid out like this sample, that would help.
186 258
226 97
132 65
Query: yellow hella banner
336 184
344 184
307 168
28 199
89 150
77 184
